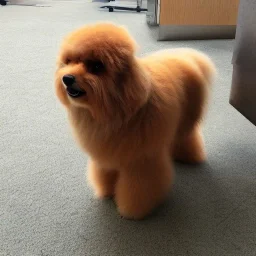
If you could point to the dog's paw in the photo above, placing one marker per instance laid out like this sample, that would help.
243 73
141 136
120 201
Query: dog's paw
133 214
104 194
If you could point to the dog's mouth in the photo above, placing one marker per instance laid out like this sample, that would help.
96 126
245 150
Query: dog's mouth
75 92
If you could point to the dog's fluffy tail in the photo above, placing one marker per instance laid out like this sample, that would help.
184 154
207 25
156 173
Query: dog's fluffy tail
202 62
205 65
199 72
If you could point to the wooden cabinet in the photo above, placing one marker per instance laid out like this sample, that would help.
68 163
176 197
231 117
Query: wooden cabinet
216 14
198 12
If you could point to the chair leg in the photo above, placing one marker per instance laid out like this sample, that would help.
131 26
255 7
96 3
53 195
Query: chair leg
3 2
137 9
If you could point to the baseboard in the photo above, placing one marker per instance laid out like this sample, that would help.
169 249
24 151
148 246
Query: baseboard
192 32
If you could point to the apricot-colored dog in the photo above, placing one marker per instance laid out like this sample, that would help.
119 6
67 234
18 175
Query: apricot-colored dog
133 116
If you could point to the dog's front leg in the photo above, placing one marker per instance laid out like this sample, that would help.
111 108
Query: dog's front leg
143 186
103 181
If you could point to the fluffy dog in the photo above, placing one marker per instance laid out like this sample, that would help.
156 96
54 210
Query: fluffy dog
133 116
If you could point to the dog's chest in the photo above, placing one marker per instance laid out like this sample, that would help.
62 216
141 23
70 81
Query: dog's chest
97 141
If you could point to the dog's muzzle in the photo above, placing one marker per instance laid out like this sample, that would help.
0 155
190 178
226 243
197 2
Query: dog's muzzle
72 89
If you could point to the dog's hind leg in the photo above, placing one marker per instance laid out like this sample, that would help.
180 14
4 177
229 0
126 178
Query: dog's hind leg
198 74
190 147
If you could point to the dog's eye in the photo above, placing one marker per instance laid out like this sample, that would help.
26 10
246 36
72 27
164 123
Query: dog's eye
67 61
95 66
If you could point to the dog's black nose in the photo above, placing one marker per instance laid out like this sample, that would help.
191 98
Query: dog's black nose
72 88
68 80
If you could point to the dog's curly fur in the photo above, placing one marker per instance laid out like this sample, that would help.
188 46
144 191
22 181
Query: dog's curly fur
137 116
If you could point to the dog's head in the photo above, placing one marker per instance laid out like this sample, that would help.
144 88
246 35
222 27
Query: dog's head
97 70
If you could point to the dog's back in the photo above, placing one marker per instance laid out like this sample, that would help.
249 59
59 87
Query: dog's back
187 75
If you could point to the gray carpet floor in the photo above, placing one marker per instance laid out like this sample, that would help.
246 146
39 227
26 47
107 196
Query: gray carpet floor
46 207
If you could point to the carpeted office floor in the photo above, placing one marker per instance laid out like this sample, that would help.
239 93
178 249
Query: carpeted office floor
46 207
